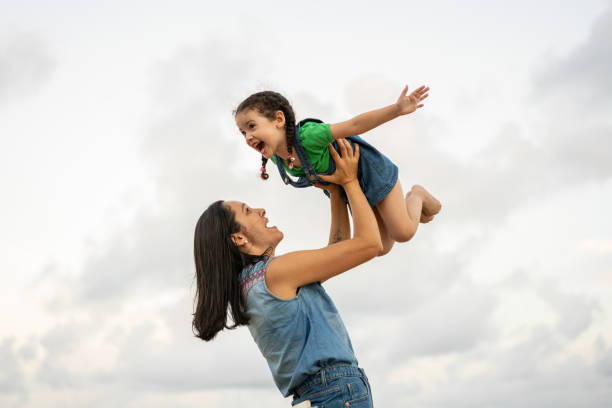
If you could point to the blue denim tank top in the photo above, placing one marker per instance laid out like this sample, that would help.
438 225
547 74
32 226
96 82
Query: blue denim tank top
297 336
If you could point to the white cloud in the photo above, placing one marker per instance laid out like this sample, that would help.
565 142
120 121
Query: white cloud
583 76
25 65
12 379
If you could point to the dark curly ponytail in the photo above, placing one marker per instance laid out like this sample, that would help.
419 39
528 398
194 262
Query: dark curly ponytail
268 103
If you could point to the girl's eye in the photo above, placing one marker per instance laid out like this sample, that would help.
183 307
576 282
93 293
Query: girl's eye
251 126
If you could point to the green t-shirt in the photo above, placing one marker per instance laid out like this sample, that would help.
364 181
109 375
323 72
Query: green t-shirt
314 137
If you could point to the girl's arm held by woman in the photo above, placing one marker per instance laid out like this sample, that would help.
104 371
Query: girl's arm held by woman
340 227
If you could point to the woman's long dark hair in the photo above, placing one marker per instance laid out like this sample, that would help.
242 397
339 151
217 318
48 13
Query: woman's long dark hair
218 263
268 103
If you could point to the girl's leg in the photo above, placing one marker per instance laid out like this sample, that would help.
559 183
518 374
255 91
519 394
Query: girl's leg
431 206
385 237
401 215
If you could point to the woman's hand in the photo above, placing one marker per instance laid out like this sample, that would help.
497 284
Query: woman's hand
346 163
408 104
286 273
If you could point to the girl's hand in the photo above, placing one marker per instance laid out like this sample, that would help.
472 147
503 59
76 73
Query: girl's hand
346 165
408 104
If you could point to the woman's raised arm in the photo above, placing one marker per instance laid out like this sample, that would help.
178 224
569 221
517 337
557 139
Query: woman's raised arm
340 226
288 272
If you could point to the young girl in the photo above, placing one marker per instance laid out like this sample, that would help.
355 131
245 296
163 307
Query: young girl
267 121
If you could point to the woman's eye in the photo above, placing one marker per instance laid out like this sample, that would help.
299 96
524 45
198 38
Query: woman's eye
248 210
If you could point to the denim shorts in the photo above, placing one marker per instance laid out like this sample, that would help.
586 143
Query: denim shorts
377 174
335 387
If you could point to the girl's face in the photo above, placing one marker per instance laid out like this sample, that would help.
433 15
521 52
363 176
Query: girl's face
264 135
255 237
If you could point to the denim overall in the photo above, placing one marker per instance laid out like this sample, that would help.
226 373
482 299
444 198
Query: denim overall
377 175
311 176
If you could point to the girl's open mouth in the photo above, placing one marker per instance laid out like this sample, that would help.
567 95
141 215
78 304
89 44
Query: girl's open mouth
260 147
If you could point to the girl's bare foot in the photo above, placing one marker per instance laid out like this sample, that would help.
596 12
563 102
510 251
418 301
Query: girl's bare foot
431 206
426 218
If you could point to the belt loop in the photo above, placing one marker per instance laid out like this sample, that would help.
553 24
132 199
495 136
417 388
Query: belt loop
323 379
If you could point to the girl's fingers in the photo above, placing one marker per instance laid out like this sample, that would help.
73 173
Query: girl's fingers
422 90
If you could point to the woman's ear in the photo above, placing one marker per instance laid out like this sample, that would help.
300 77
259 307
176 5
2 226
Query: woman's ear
239 239
279 119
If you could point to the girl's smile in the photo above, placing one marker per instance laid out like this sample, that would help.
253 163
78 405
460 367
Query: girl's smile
266 136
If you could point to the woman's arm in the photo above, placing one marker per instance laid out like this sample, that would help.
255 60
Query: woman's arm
340 228
288 272
369 120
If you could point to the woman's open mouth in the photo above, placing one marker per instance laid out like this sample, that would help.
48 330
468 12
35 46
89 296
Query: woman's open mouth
266 224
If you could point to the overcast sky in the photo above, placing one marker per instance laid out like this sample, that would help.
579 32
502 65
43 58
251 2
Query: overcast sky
116 132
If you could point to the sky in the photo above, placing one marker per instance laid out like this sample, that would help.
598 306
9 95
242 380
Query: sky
116 132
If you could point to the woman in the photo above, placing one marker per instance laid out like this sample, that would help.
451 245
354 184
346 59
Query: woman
290 316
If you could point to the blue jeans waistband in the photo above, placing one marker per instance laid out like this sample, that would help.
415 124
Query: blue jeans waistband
325 375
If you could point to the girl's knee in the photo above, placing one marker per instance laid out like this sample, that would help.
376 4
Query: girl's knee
386 247
405 234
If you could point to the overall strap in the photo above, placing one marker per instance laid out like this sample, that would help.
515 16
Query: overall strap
310 174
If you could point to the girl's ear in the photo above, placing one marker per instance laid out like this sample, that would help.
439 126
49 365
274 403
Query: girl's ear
280 119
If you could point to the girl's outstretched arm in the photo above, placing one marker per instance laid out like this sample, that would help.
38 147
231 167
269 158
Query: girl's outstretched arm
367 121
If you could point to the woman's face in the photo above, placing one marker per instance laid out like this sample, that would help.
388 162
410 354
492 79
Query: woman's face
256 237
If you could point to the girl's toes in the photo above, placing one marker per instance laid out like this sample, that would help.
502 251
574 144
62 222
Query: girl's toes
431 206
426 218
